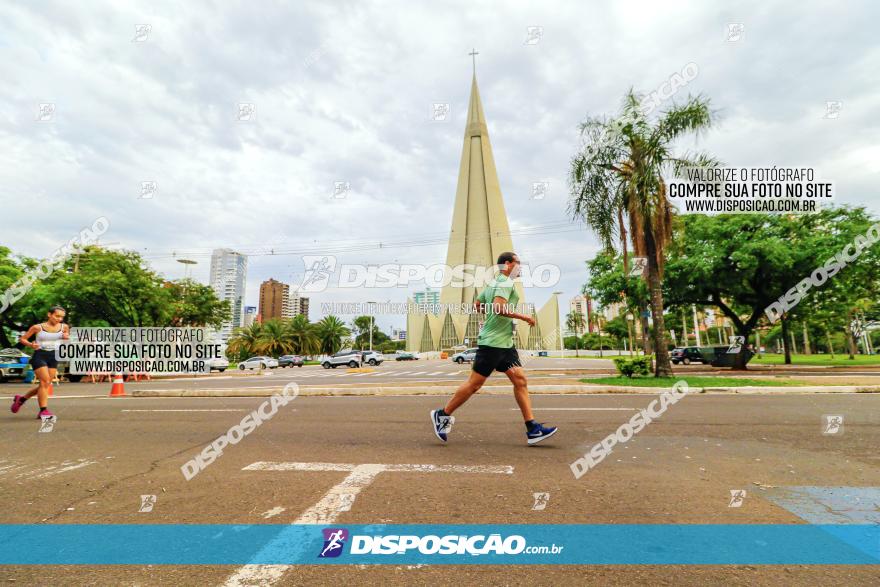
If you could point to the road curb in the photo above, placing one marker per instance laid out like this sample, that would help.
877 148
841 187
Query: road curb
496 390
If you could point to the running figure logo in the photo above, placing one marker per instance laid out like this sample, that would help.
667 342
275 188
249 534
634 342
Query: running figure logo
147 503
541 501
737 496
832 424
319 268
334 541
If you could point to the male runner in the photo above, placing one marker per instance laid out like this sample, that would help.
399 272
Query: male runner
495 352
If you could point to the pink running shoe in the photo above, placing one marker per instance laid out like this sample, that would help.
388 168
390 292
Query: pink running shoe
17 402
45 414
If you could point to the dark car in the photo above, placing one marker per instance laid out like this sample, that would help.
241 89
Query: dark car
688 355
290 361
404 356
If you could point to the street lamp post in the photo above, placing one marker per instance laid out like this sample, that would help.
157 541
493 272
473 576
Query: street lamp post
629 318
371 324
561 340
187 263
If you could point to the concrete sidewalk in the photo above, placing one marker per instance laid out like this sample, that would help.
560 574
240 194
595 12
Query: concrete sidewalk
574 389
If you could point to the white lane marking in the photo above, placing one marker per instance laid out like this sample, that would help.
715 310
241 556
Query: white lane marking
581 409
273 512
438 373
193 410
338 499
49 471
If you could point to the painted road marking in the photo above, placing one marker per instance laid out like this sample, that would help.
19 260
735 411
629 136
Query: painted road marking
193 410
273 512
44 472
582 409
340 498
830 505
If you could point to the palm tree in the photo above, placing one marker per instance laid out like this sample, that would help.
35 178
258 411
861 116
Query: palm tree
575 322
244 341
275 338
331 331
303 335
617 187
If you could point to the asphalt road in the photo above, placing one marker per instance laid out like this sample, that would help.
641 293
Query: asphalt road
105 453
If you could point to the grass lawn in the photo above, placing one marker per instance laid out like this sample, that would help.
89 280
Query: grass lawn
695 381
839 359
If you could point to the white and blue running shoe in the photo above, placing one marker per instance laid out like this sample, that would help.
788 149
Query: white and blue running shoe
442 424
539 433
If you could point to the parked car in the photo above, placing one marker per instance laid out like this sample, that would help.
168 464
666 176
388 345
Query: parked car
347 357
373 357
218 364
352 358
290 361
465 356
404 356
258 363
13 364
688 355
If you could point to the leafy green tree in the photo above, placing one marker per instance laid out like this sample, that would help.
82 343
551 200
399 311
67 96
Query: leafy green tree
195 304
274 338
303 335
244 342
617 187
331 333
742 263
361 329
575 322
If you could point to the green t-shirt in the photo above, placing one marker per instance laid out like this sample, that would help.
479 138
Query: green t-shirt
497 331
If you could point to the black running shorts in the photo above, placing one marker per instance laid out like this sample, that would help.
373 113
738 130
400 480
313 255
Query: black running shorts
43 358
490 358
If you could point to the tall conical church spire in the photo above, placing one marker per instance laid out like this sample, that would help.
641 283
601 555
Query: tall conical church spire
479 222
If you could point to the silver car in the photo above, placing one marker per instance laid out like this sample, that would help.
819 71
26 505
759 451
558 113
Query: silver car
258 363
466 356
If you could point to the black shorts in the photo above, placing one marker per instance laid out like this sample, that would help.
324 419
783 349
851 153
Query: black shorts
490 358
43 358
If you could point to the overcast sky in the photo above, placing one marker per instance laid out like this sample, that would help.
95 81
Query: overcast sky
344 92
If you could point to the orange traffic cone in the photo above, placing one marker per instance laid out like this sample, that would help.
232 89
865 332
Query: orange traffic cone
118 389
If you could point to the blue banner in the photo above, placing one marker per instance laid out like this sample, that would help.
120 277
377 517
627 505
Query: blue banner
474 544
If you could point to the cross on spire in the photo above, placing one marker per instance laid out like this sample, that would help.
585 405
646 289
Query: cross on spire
473 55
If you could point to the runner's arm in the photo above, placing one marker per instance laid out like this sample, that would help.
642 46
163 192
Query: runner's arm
501 307
23 339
